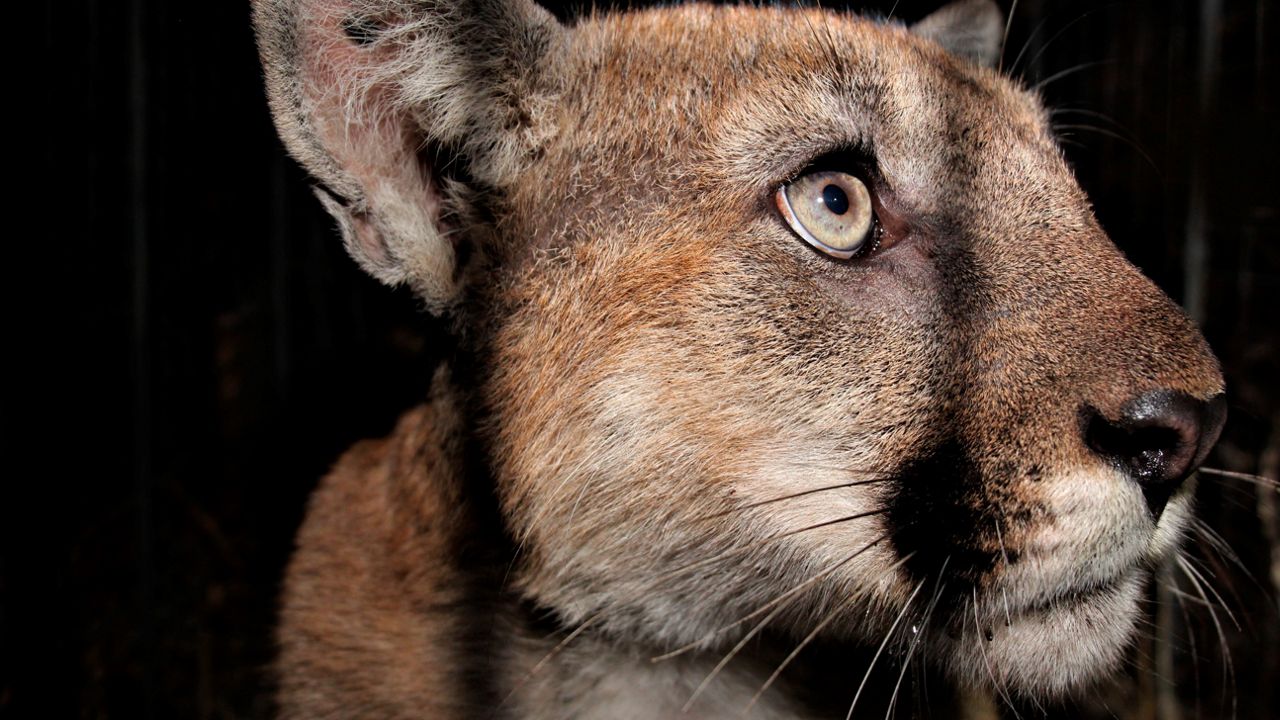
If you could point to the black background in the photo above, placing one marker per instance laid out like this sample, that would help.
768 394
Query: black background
189 348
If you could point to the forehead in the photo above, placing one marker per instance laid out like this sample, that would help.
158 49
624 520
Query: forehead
753 90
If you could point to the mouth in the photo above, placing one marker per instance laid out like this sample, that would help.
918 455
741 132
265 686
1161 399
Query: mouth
1007 608
995 610
1065 600
1046 646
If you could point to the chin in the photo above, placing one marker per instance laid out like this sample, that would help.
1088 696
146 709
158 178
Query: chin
1048 650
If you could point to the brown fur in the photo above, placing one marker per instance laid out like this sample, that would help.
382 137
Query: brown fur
651 359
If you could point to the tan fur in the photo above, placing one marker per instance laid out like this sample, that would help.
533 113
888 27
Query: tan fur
651 359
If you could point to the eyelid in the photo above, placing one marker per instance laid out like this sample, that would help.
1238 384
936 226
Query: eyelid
857 160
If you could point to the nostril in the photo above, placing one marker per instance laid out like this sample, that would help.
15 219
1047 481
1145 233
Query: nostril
1145 451
1159 438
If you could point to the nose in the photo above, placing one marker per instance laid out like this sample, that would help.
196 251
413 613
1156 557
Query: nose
1159 438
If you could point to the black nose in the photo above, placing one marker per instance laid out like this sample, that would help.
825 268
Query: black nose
1159 439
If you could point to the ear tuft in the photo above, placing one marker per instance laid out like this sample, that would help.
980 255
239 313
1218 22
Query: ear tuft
972 29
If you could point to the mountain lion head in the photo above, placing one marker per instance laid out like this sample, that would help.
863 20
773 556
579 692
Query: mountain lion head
772 319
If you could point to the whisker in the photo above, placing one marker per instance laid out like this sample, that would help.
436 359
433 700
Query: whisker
1216 541
1190 567
776 601
999 686
887 636
1113 135
1004 556
1194 652
1051 40
1123 133
1026 45
762 542
834 47
1041 84
780 606
777 672
551 654
1219 545
924 655
1004 39
915 642
1228 667
829 42
1258 480
686 568
1184 595
810 637
792 496
811 465
1054 112
729 657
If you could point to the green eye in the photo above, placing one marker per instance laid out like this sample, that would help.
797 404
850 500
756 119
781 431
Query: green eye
831 211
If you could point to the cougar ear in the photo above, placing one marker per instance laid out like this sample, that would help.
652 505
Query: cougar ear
972 29
371 96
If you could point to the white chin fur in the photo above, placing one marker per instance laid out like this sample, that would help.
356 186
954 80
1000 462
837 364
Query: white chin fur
1050 651
1058 618
1098 531
1063 614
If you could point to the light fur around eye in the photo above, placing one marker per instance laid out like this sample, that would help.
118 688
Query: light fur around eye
831 211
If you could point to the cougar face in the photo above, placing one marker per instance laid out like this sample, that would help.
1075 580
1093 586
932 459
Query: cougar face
778 319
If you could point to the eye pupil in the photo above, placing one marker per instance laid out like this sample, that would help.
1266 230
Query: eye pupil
836 200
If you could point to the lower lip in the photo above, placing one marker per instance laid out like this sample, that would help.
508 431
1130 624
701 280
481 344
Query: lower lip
1073 598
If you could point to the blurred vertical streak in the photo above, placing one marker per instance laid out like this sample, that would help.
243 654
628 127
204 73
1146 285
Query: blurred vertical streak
1260 51
1269 463
139 250
1268 512
1167 705
1196 258
1268 505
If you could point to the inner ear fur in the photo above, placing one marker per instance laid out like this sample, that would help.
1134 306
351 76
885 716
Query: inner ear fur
366 93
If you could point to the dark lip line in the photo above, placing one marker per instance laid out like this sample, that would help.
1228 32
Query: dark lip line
1067 600
1074 596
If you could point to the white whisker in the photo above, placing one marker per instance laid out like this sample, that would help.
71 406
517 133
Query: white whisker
887 636
1258 480
1228 667
986 661
775 602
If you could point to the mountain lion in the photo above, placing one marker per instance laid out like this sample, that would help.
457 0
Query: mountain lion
790 362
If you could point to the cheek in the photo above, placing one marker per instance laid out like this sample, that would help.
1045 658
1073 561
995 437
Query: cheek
1094 512
901 282
847 343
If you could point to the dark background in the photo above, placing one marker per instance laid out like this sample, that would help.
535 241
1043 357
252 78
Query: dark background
189 348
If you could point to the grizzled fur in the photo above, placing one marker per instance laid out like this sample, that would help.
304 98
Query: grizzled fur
671 424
